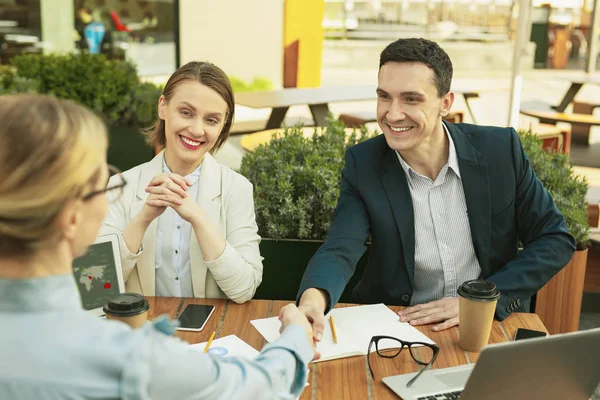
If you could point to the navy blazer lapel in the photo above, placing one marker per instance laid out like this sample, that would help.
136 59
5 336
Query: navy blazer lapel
396 188
476 185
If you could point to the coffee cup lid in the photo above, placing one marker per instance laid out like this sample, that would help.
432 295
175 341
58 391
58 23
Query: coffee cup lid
477 289
127 305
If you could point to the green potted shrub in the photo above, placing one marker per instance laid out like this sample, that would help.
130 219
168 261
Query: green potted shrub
111 88
558 303
296 187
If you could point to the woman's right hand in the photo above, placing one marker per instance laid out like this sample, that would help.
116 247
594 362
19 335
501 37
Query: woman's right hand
165 190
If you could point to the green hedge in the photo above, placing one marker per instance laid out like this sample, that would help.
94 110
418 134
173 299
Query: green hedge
296 180
111 88
569 191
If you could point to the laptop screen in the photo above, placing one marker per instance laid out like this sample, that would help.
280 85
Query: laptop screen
97 275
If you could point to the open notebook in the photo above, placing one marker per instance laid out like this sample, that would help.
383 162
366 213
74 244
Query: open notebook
355 327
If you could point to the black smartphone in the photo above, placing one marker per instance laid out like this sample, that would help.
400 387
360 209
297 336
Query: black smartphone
194 317
523 333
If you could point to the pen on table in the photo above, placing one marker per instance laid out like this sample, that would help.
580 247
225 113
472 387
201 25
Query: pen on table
333 328
212 336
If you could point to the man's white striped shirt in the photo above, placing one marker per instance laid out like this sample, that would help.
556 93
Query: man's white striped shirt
444 253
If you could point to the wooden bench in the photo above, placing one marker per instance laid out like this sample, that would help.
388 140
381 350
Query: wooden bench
582 132
251 141
546 115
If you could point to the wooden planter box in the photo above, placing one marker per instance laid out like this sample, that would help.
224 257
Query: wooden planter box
558 303
283 266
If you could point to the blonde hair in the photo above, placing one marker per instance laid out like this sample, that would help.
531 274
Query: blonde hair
51 152
209 75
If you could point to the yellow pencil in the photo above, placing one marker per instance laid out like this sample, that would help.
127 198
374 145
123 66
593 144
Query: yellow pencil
333 328
209 342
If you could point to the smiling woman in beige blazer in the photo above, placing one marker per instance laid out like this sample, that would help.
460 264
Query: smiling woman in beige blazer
186 224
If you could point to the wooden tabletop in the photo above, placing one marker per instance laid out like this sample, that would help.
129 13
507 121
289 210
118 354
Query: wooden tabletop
581 79
331 94
342 379
251 141
293 96
581 119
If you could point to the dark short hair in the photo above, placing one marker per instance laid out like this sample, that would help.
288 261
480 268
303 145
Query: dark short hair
209 75
423 51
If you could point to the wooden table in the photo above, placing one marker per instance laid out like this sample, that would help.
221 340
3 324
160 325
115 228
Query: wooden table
251 141
551 117
576 84
341 379
318 99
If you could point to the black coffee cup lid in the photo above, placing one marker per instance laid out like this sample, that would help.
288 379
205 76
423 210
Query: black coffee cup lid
127 305
477 289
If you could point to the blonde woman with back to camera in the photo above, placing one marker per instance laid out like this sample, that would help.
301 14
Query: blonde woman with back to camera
186 224
53 198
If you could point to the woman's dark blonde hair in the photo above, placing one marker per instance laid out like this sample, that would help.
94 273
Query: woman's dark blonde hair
51 152
209 75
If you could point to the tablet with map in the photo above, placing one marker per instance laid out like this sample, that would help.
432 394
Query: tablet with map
98 273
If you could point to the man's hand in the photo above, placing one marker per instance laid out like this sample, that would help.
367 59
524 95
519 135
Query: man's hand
290 315
445 309
312 304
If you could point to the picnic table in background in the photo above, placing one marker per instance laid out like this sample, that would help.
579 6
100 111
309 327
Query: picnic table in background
318 99
577 83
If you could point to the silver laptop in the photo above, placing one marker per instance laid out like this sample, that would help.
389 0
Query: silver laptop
98 273
558 367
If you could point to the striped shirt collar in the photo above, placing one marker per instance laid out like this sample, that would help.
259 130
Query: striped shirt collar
452 157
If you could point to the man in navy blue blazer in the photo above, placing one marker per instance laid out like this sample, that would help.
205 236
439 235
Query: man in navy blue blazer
440 203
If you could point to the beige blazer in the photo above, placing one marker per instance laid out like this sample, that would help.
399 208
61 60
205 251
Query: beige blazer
226 197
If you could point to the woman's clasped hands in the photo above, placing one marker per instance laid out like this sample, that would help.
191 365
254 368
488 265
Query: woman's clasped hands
169 190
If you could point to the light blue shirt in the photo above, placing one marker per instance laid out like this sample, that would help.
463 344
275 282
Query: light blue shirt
51 349
172 254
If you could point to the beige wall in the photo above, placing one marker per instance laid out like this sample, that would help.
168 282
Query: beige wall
57 26
243 37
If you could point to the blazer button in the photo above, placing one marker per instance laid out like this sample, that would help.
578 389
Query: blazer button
508 308
518 302
405 297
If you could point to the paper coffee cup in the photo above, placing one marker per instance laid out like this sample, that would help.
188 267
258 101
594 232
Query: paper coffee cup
477 306
131 308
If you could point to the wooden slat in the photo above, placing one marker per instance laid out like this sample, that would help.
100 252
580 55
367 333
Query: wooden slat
522 320
237 321
336 374
546 116
402 364
558 303
251 141
162 306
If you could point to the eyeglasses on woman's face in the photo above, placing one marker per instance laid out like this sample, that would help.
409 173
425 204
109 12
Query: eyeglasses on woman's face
389 347
114 187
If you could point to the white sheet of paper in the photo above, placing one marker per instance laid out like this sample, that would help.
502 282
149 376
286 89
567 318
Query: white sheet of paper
355 327
367 321
235 346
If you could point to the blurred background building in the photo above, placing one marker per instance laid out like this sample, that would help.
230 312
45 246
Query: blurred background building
280 36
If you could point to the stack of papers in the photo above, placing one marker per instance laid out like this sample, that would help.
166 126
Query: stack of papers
355 327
